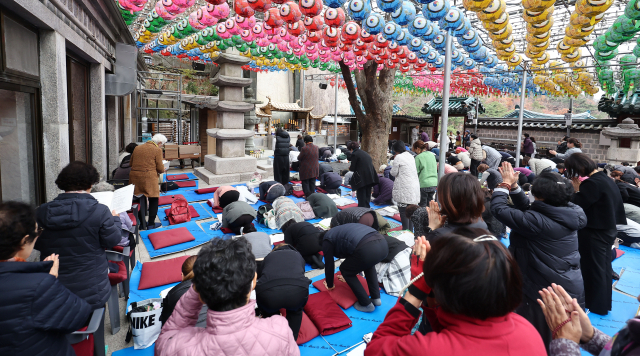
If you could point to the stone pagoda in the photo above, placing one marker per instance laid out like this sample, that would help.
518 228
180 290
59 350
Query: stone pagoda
625 130
229 164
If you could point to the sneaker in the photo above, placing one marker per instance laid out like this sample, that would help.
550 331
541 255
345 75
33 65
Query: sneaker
377 302
365 309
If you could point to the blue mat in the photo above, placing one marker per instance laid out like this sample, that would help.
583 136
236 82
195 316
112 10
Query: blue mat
200 238
136 295
629 282
190 176
130 351
202 208
362 323
189 194
623 308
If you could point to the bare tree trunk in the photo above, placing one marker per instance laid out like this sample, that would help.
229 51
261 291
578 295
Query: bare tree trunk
375 92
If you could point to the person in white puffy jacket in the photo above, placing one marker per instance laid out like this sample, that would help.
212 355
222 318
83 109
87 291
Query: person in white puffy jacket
406 187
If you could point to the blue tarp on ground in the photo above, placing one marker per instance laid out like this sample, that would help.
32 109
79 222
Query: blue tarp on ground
202 208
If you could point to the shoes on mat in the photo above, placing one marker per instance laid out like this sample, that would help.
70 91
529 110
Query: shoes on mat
616 276
365 309
153 226
377 302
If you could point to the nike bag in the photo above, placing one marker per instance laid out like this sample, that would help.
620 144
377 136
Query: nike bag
145 325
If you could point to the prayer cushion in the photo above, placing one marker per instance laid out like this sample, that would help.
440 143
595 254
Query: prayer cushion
161 273
353 205
226 230
84 348
296 182
177 177
396 217
168 199
206 190
120 276
186 184
170 237
192 210
297 193
320 190
325 314
215 210
308 331
342 293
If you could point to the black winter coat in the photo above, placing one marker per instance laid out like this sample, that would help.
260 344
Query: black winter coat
330 180
283 141
364 173
79 229
345 238
304 237
122 172
601 201
352 216
37 311
630 193
324 168
283 266
299 144
544 242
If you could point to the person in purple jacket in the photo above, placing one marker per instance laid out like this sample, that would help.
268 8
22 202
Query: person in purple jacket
526 175
382 191
527 146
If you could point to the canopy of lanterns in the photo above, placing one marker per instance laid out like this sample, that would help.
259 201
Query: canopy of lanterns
410 36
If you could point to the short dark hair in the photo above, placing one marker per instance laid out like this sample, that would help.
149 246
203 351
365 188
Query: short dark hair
308 138
224 272
579 164
482 167
637 169
399 147
353 145
552 188
77 176
410 210
286 225
480 280
474 136
560 166
526 135
575 142
130 147
625 163
17 220
460 197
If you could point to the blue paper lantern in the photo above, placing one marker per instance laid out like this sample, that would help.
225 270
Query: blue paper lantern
374 23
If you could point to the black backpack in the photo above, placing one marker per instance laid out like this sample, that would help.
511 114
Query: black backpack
263 209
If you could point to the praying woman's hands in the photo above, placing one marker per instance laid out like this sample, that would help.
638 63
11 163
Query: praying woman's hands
420 250
56 264
436 220
571 304
563 324
509 176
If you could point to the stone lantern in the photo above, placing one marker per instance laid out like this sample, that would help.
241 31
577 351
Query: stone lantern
626 129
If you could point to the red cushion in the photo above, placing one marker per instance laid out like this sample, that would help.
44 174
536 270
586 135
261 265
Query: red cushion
177 177
226 230
133 219
396 228
192 210
206 190
321 190
619 253
120 276
396 217
325 314
161 273
186 183
346 186
215 210
84 347
297 193
307 330
296 182
348 206
342 293
170 237
168 199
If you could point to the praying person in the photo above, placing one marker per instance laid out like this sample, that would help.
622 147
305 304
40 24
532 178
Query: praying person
224 276
364 174
238 216
406 187
169 302
309 167
304 237
362 248
427 169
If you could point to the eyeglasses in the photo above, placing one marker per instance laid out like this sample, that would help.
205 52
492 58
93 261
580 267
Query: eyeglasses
485 238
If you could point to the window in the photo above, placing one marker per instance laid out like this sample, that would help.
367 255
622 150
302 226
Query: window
17 147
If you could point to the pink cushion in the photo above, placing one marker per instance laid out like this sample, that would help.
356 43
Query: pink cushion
206 190
170 237
168 199
342 293
177 177
308 331
192 210
161 273
396 217
325 314
296 182
186 184
297 193
348 206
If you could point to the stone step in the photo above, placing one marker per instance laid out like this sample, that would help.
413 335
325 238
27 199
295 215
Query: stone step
264 165
221 179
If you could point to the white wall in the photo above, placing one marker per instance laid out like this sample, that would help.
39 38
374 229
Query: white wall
323 101
279 87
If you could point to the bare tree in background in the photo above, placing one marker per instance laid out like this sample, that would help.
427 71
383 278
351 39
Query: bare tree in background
375 91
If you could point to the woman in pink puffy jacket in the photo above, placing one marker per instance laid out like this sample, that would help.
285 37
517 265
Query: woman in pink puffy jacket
224 276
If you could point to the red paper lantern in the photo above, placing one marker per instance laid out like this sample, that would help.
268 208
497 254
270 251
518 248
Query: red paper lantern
272 17
334 17
311 8
296 28
216 2
314 36
313 23
351 31
242 8
290 12
260 5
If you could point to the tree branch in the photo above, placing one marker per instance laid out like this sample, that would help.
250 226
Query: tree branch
353 99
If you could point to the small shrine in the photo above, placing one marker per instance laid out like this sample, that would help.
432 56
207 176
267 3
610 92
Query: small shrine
625 142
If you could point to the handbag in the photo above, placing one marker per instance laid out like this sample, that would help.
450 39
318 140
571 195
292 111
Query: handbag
145 325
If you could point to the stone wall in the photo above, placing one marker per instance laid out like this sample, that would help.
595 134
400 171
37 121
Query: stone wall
590 139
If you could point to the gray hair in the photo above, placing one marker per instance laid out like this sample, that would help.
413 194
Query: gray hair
159 139
102 187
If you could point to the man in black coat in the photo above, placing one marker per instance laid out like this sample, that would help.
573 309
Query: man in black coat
309 167
281 157
304 237
299 143
364 176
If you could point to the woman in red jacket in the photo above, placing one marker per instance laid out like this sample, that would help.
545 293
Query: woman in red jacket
477 285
